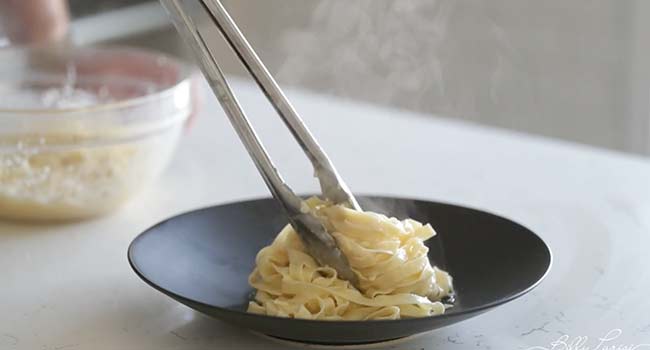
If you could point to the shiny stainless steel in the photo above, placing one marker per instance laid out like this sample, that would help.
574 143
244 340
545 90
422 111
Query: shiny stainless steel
320 244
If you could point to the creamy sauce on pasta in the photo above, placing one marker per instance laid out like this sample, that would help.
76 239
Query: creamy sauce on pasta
388 256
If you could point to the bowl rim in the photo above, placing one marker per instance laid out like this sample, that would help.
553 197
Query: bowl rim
185 72
481 308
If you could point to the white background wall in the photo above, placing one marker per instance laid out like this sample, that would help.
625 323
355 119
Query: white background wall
573 69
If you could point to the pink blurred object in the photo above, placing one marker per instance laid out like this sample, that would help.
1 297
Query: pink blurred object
34 21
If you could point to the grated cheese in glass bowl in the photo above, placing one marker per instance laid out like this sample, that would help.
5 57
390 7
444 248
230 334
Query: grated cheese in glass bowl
83 130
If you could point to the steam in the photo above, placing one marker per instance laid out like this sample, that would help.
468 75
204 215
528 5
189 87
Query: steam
437 56
393 208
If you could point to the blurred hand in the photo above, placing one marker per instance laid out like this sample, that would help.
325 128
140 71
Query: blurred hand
34 21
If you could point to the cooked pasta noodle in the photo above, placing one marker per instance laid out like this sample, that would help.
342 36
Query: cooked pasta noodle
388 255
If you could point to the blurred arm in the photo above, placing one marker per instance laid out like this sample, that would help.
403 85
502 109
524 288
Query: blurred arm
34 21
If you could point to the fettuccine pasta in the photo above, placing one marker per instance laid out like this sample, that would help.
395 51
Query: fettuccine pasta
388 256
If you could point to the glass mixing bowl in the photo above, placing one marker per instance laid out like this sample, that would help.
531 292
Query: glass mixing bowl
82 130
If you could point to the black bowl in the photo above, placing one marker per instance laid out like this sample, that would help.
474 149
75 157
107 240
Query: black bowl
203 259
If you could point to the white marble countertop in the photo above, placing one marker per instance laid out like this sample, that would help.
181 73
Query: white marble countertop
70 286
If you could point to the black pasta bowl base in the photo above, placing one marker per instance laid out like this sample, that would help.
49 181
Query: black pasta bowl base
203 258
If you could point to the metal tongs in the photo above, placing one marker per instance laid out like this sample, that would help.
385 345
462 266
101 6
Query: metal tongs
319 243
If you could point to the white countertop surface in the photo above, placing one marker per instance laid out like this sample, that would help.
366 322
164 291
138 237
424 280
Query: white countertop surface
70 286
